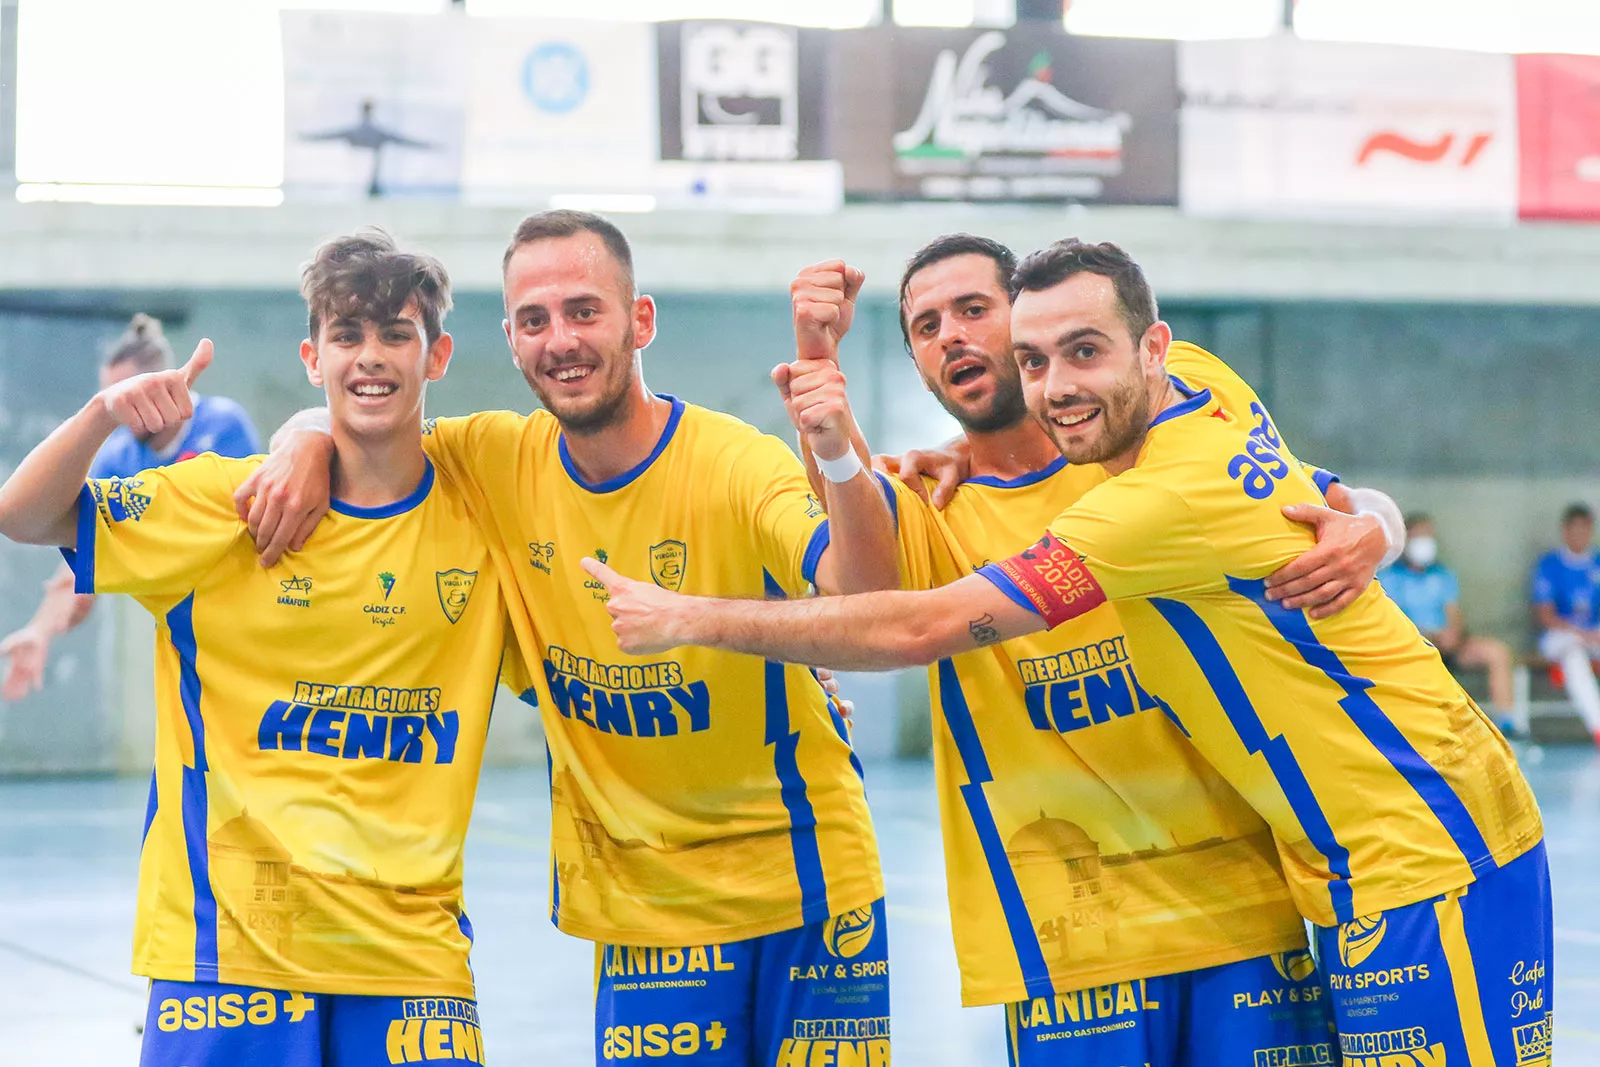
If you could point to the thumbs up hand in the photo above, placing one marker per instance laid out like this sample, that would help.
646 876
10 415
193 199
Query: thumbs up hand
157 400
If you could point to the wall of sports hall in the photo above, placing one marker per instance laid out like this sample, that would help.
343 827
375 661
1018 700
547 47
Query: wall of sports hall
1452 366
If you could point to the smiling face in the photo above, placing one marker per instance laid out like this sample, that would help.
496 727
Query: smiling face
575 328
1088 381
375 374
958 319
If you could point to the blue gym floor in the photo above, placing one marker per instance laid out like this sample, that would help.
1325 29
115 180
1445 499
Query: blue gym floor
68 850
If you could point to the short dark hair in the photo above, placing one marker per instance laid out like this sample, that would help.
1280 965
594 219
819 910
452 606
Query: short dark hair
365 276
948 247
1417 518
1573 512
547 225
142 344
1054 264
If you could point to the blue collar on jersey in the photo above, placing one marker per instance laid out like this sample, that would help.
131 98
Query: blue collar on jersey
399 507
1022 480
1195 400
611 485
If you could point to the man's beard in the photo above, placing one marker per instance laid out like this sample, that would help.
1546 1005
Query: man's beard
608 408
1006 407
1125 418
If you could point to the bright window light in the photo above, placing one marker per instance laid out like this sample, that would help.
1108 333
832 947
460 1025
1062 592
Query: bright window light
160 92
393 7
1183 19
935 12
828 13
1480 25
167 195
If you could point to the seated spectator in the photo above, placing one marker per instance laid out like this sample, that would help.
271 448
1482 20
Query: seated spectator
1428 592
1566 605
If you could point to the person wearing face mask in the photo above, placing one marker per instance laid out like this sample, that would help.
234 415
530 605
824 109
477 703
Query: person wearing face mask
1428 592
1566 605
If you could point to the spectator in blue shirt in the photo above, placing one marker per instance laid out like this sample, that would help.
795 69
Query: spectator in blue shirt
1428 592
1566 605
219 425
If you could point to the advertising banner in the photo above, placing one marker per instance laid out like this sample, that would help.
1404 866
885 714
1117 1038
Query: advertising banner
741 91
1028 113
1558 118
374 105
558 107
1319 129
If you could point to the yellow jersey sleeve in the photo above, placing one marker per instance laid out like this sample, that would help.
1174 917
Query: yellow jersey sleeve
156 535
789 527
918 538
462 447
1126 539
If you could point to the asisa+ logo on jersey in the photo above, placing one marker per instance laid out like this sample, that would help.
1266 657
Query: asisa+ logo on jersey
1260 467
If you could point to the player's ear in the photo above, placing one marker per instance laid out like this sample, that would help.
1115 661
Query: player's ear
308 356
1153 348
439 354
644 321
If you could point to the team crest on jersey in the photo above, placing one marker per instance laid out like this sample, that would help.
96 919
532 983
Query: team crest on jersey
667 562
1359 938
849 934
386 583
455 589
1294 966
120 499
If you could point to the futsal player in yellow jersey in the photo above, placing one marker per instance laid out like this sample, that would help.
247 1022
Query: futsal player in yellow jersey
1091 854
1407 833
321 723
710 829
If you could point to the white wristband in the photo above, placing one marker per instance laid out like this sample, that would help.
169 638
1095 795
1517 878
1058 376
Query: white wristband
841 470
1383 508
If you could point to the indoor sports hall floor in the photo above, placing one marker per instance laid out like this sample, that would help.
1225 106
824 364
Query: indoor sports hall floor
68 850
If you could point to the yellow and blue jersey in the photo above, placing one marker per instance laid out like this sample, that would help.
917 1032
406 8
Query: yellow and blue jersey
1382 780
320 728
1086 842
698 796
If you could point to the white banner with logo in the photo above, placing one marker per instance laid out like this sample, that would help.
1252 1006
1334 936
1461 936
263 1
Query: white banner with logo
373 104
1320 129
558 107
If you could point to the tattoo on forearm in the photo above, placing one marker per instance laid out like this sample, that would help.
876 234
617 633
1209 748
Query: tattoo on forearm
983 631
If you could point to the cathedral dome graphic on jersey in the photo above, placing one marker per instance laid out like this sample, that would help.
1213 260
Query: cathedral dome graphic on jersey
252 875
1076 915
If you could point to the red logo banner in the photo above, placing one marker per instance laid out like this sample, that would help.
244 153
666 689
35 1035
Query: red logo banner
1558 113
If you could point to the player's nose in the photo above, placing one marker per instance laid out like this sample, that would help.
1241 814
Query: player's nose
563 336
1059 381
952 332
